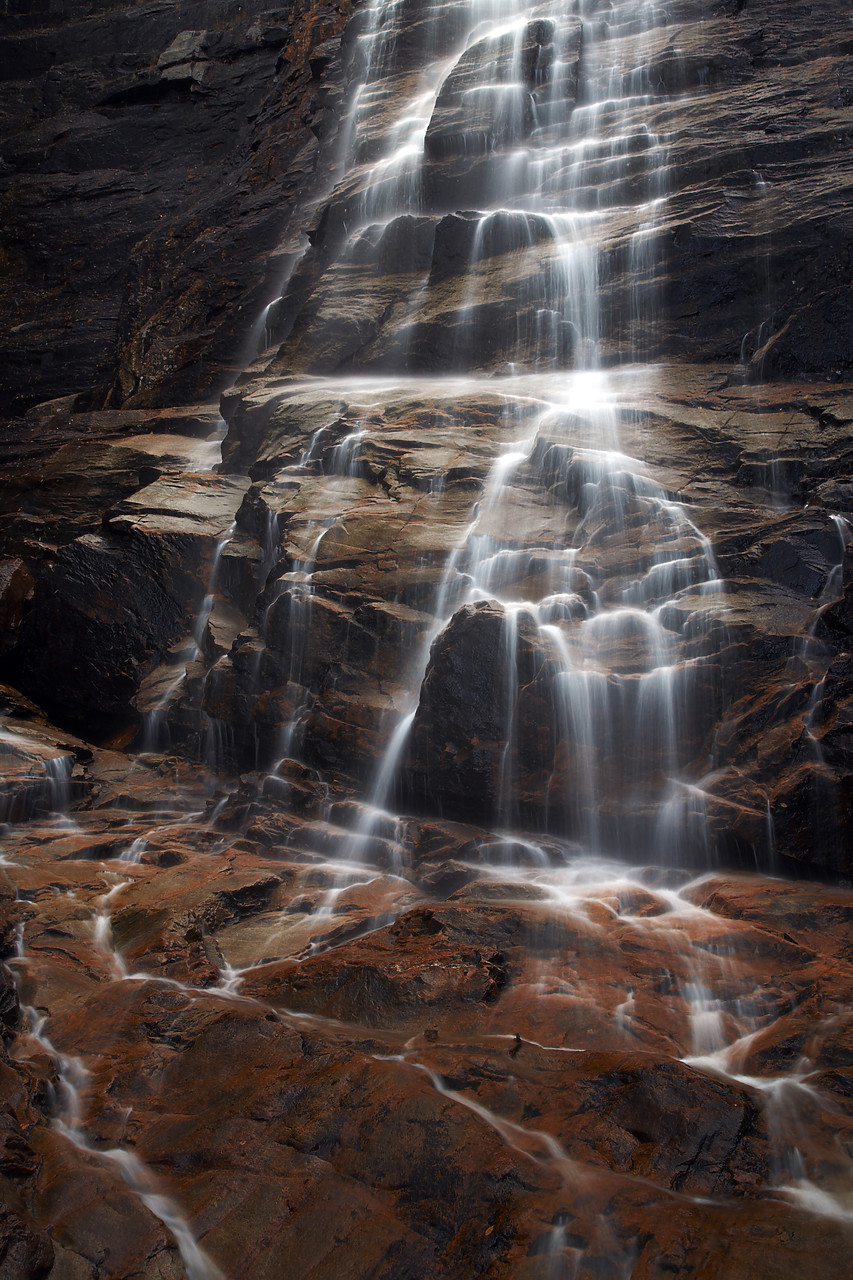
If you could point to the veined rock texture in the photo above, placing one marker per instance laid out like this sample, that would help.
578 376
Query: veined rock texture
425 634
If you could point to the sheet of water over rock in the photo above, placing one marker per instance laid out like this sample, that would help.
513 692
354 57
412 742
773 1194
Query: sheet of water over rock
402 813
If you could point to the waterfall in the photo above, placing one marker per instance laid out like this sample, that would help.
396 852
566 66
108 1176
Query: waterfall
435 929
549 123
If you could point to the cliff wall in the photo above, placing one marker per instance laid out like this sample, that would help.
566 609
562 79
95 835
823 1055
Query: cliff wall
153 154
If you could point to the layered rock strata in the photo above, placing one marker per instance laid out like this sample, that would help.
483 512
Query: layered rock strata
750 247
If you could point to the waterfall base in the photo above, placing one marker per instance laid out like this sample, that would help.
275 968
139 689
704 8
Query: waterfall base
483 1019
460 1053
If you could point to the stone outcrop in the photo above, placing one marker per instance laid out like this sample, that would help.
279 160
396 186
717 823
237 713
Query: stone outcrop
350 604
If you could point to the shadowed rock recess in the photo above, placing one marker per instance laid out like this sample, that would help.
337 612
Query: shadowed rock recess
425 770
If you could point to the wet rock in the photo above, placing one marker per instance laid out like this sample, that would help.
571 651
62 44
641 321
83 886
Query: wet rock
10 1010
495 120
64 468
26 1252
112 601
445 878
813 915
38 772
16 587
742 279
96 121
459 732
802 562
436 1019
94 1206
355 1039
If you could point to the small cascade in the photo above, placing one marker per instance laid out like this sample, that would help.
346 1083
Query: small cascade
103 929
833 586
754 344
345 456
135 850
35 779
287 627
614 654
69 1106
58 771
212 456
155 729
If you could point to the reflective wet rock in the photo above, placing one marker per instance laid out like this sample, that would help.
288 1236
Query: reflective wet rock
411 781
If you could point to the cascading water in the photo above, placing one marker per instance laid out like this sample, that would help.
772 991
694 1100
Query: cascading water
44 778
478 844
560 114
68 1105
155 727
606 679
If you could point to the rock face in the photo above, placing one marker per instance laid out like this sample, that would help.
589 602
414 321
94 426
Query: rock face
150 154
111 599
623 724
745 260
403 774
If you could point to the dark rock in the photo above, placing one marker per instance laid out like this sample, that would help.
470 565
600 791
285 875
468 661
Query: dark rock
25 1252
16 588
111 602
107 118
458 736
9 1008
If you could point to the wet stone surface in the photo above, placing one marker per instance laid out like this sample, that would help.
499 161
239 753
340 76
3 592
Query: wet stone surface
494 1067
426 790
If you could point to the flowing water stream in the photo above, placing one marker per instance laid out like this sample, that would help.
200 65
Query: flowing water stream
563 117
607 602
560 111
